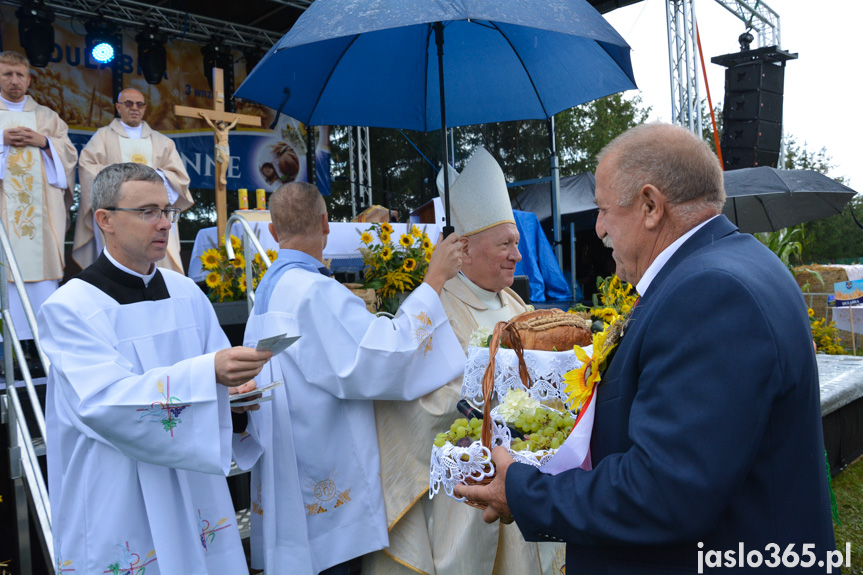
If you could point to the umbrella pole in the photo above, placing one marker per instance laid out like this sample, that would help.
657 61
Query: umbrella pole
555 195
438 37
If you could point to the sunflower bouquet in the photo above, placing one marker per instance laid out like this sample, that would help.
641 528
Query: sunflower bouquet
394 266
226 278
613 304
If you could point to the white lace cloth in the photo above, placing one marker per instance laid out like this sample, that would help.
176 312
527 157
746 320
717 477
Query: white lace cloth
545 368
448 469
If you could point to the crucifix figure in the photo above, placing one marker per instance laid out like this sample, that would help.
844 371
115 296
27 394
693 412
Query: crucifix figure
221 122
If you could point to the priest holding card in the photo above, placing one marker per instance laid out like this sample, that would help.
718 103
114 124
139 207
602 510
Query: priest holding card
317 487
139 430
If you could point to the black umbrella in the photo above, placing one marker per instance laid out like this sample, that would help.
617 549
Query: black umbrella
766 199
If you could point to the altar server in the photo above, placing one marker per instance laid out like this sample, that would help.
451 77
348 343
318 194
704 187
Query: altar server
129 139
139 428
319 477
37 172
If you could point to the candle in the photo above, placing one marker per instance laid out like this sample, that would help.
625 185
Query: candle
261 196
244 198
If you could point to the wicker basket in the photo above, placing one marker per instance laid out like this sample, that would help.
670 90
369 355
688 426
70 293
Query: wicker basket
447 466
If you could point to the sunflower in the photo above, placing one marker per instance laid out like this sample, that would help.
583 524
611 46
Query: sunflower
366 238
415 232
213 279
427 244
243 284
235 242
580 382
405 240
272 254
239 260
427 255
410 265
385 227
210 259
386 253
385 237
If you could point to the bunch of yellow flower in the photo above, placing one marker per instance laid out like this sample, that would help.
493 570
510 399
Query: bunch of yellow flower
394 266
826 335
226 278
612 306
615 298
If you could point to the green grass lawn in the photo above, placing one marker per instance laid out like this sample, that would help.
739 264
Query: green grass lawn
848 486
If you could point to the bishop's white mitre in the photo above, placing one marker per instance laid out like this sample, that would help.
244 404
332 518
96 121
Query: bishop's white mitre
479 199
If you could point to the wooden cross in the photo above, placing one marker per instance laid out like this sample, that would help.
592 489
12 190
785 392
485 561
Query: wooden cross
221 122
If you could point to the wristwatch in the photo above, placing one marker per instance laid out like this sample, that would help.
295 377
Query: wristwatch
47 145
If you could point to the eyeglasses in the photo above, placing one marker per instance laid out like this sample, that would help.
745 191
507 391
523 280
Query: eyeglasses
130 104
151 215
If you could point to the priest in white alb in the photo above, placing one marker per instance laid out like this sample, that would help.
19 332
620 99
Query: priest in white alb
37 172
139 430
317 484
129 139
443 536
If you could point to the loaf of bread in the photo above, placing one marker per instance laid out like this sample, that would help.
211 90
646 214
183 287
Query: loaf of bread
549 330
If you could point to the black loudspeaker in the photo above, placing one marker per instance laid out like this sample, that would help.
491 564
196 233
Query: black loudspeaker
752 112
736 158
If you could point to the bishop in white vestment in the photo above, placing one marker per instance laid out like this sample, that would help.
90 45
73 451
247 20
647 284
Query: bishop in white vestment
37 172
139 434
129 139
442 536
317 486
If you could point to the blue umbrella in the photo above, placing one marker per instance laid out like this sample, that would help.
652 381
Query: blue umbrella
431 64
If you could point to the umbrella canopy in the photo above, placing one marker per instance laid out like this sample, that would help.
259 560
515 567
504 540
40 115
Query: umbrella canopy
362 63
577 201
766 199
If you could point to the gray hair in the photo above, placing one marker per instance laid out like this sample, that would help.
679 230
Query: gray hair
106 186
679 163
296 209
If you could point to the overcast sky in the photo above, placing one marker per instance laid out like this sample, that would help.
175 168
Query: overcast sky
822 87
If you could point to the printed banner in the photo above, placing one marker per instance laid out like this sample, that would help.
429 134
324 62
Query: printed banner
848 293
79 90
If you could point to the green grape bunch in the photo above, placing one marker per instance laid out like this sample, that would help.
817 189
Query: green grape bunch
542 428
462 433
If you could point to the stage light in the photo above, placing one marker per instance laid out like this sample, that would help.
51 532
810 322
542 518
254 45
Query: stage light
102 41
36 33
216 55
152 57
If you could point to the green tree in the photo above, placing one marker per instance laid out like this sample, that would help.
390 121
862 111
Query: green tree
403 179
830 239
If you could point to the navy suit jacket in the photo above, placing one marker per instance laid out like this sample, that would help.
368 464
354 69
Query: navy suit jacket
708 425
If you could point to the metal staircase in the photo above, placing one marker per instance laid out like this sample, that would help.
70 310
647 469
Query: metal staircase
25 448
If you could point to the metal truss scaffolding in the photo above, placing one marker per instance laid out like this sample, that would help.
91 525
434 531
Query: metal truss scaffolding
759 18
683 64
683 56
176 23
360 169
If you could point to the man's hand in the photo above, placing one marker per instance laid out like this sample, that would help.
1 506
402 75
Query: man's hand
445 261
237 365
493 494
245 388
22 137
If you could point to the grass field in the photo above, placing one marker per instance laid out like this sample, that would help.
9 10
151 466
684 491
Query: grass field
848 486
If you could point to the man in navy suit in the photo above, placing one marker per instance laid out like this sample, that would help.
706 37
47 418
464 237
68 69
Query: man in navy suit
707 439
